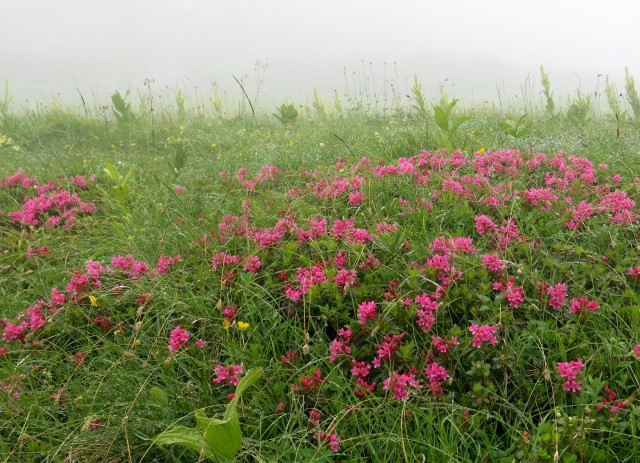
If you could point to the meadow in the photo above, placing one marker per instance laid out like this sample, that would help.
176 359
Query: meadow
350 280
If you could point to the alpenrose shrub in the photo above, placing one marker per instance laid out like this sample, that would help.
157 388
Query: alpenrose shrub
50 204
481 274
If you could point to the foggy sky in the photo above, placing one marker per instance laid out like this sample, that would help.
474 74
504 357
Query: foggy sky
55 49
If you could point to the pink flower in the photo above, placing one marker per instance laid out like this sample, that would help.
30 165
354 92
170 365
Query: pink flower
583 303
569 371
164 262
178 339
345 277
484 224
558 294
337 349
443 345
493 262
636 349
314 417
425 320
401 384
514 294
571 385
229 311
223 259
330 438
436 372
366 312
384 227
253 264
308 383
57 298
227 374
360 369
483 333
12 332
387 349
356 198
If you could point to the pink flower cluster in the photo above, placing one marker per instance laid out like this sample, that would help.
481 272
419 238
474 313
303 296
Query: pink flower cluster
329 438
483 333
514 294
133 268
493 263
228 374
401 384
51 210
308 384
436 374
178 339
558 294
610 401
583 303
569 371
426 315
340 346
164 262
367 310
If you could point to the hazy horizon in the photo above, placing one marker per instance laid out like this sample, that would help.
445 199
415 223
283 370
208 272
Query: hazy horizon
477 51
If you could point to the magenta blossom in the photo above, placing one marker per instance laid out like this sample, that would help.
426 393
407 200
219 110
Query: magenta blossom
178 339
483 333
366 311
569 371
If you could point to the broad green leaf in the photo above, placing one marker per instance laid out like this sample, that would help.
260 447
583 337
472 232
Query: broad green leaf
128 176
442 118
187 437
111 171
458 122
118 102
247 380
222 436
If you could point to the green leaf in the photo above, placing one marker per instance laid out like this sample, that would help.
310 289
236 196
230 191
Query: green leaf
158 395
458 122
111 171
187 437
128 176
222 436
442 118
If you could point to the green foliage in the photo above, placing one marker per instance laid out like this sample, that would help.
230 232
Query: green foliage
216 100
518 128
420 103
180 148
448 123
180 106
119 184
5 104
287 114
632 94
612 99
318 106
546 90
579 109
122 109
501 403
217 440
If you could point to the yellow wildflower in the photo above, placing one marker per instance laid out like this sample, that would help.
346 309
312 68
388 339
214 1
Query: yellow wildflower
243 325
93 300
226 324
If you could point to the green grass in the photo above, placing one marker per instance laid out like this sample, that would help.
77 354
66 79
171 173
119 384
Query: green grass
502 402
